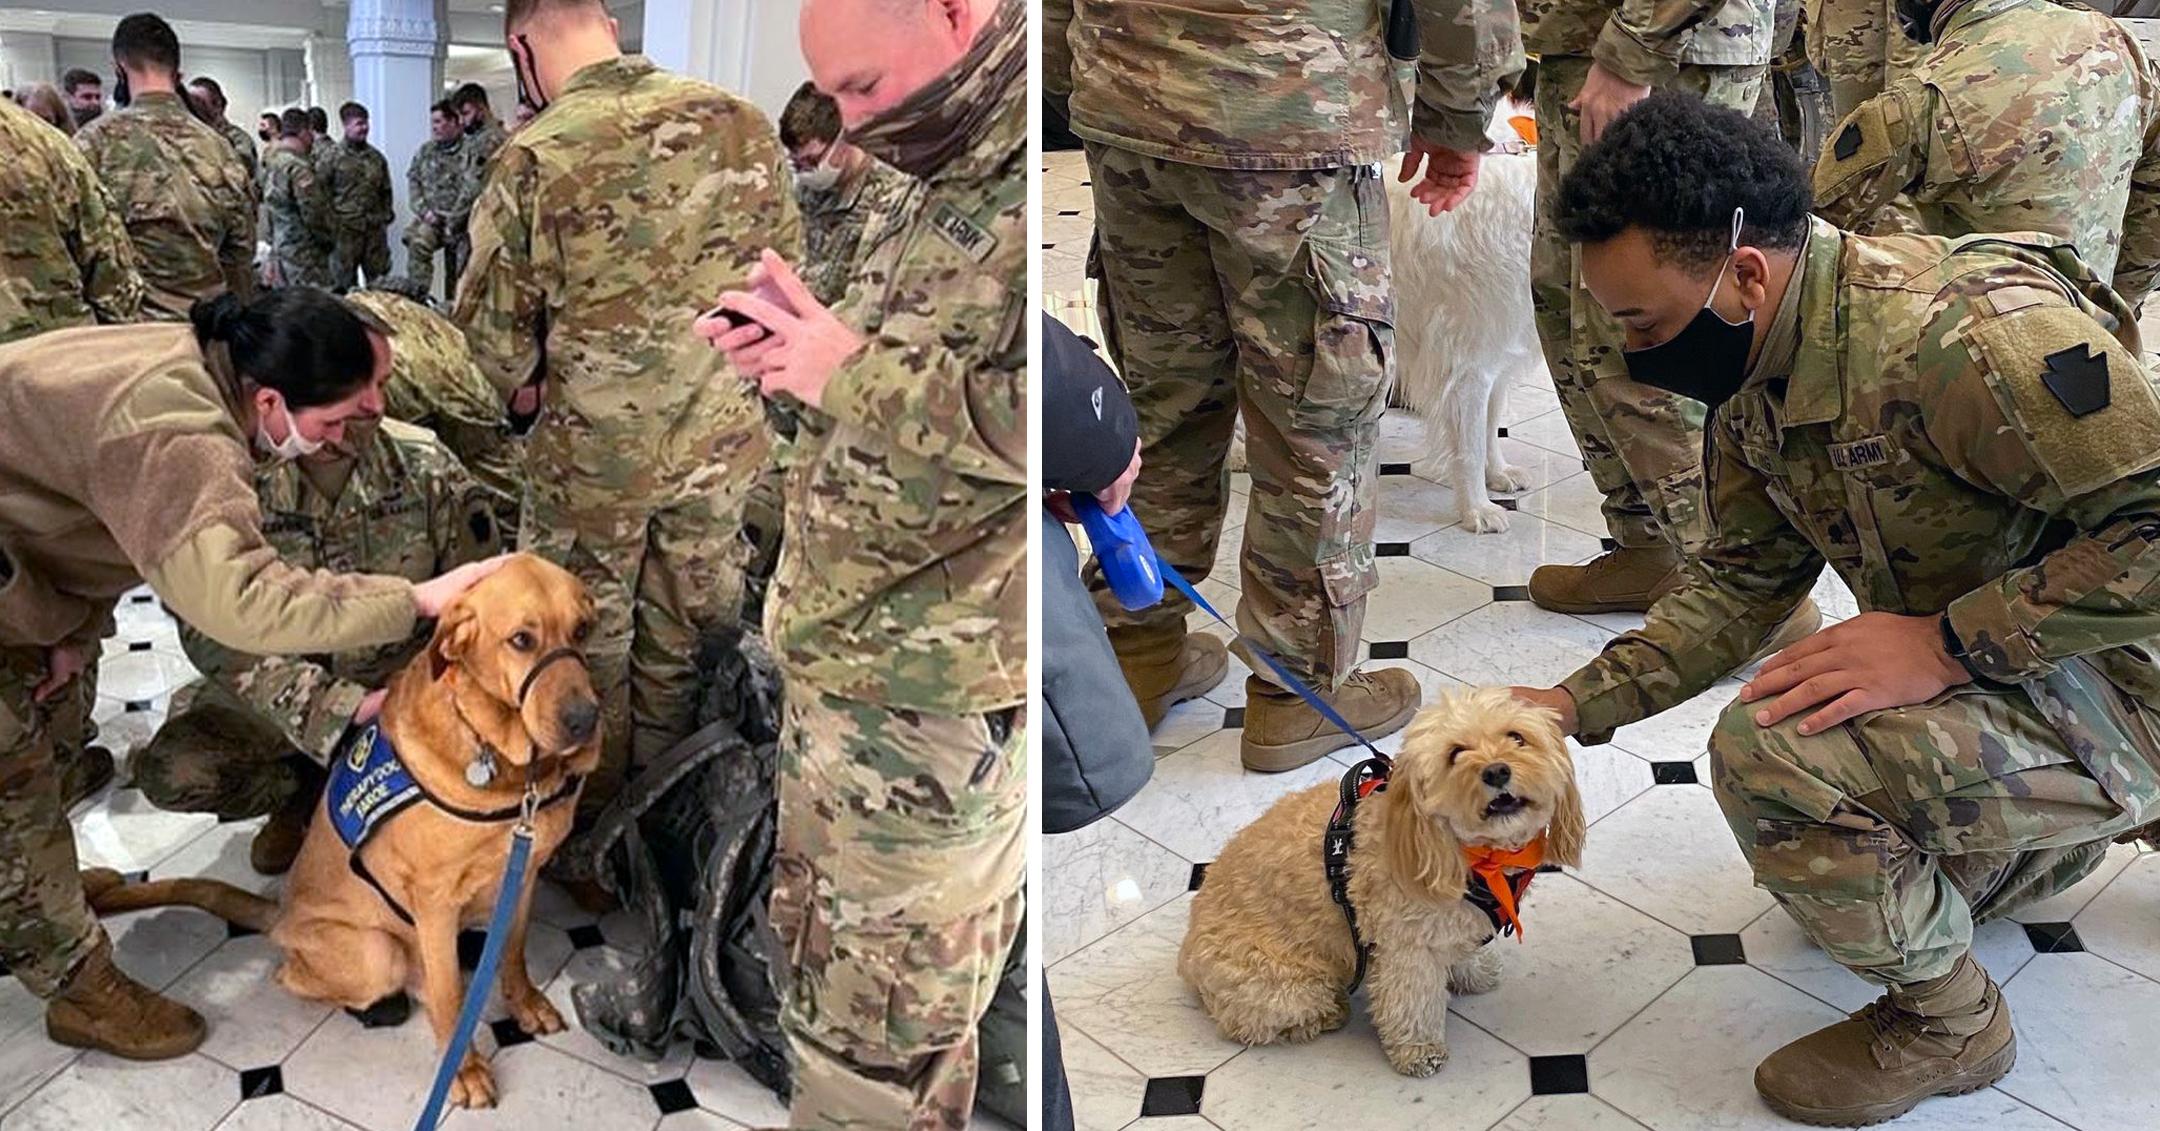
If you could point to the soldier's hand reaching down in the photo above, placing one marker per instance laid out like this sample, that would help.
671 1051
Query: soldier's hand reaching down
1449 175
1604 96
792 349
63 662
1873 662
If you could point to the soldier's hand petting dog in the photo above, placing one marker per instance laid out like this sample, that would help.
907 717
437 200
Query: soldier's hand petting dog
1449 175
790 344
1873 662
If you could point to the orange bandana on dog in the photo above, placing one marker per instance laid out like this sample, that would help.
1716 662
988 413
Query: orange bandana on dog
1490 865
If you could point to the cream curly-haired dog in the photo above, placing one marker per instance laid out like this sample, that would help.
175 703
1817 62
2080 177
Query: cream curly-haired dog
1268 950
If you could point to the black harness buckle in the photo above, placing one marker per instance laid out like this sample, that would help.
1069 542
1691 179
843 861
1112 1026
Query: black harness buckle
1368 776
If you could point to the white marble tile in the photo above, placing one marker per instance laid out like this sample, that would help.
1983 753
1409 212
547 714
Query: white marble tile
156 947
1124 992
1988 1108
1549 431
725 1089
1573 501
1586 966
552 904
1219 595
191 1093
1106 1092
1066 231
1681 734
1229 550
127 731
2122 923
130 834
377 1078
1670 855
1608 778
1202 795
2063 906
1187 723
221 854
1402 437
1409 508
1777 946
253 1020
1508 557
697 1119
541 1087
2085 1042
1100 878
1687 1063
1509 643
1566 1113
1528 401
1834 598
1343 1079
590 965
281 1113
142 675
1414 597
28 1059
1231 692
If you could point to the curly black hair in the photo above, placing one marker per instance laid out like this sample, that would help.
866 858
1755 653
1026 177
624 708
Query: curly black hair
1676 167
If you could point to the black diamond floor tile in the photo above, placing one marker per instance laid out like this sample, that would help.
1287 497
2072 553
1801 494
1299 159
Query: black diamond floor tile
469 945
2054 938
586 937
1510 592
236 931
138 646
1607 545
1673 773
1391 650
1392 550
138 706
1199 874
255 1083
1394 469
507 1033
1508 504
1173 1095
1559 1075
1503 433
1718 950
1233 717
672 1096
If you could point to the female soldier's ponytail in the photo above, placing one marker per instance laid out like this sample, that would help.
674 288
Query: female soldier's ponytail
301 341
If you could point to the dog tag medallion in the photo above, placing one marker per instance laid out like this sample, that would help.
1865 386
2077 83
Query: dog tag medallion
481 770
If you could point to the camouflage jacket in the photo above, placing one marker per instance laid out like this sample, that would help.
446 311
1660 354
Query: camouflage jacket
244 146
2026 116
437 181
64 258
837 225
299 212
407 509
1647 41
903 566
1963 426
1241 84
478 148
184 197
434 384
357 182
565 282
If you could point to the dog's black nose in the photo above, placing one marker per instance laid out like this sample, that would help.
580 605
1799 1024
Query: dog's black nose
1497 774
580 719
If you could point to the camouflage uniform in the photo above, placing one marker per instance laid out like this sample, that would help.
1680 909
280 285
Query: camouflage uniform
437 181
475 148
1934 439
899 618
244 146
2026 116
1244 265
839 224
646 443
65 259
406 508
1648 464
357 181
1859 48
434 384
299 220
184 196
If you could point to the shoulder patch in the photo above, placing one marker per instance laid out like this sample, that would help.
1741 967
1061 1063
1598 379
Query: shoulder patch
2087 410
1872 451
1848 141
2079 379
954 226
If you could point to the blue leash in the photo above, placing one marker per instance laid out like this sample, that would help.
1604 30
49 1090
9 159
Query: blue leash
1177 581
483 979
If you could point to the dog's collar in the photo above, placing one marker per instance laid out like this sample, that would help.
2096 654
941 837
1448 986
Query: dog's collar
1498 879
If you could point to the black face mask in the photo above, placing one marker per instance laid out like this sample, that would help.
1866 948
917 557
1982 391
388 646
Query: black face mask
1708 359
120 94
1917 19
528 93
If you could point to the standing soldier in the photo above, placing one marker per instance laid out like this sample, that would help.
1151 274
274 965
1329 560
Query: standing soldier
434 384
578 306
440 194
177 184
898 612
476 119
85 95
1860 48
299 210
212 97
1963 431
850 200
358 185
320 142
2025 117
1277 189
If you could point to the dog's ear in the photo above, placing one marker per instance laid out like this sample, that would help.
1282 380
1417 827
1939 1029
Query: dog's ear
1564 837
1422 854
453 635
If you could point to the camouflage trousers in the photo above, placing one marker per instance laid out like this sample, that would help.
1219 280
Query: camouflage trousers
662 578
1262 294
422 241
1643 446
308 267
1890 837
358 250
214 755
1859 48
46 926
896 896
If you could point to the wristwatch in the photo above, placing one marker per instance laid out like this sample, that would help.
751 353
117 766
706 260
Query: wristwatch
1954 645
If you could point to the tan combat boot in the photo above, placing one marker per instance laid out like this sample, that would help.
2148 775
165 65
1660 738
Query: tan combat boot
1165 665
1804 621
1283 732
104 1009
1617 581
278 842
1946 1037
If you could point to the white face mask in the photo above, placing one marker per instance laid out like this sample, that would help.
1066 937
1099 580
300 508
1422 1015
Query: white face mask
293 446
824 178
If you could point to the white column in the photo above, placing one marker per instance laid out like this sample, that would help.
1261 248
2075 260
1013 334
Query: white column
27 57
397 65
329 74
748 46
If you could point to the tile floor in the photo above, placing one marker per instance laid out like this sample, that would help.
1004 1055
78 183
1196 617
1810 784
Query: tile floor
275 1063
1659 975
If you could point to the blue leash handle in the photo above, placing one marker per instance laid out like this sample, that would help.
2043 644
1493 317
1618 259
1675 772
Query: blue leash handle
483 979
1178 582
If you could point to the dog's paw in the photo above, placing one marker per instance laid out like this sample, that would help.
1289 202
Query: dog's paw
1418 1060
1484 518
474 1085
1477 974
536 1015
1506 479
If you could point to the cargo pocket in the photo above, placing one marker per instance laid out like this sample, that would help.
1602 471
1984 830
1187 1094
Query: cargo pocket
899 991
1353 361
1841 884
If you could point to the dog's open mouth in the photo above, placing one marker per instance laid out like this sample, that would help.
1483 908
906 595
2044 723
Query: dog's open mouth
1504 805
